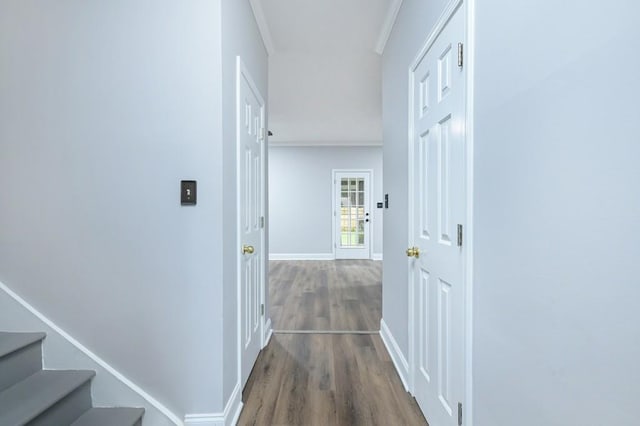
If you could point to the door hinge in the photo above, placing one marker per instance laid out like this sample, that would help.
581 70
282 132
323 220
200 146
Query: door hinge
460 54
262 309
459 414
261 221
459 235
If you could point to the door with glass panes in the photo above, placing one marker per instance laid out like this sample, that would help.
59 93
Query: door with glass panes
352 214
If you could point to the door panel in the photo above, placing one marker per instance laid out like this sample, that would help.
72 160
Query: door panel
424 326
439 198
251 135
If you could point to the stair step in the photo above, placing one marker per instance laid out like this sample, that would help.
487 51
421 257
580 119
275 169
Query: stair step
28 399
120 416
20 357
11 342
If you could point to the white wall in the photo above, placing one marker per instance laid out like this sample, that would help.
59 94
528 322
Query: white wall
556 324
240 37
104 108
414 21
300 189
332 97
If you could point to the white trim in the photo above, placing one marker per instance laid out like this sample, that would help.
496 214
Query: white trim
275 143
470 63
410 229
301 256
263 26
210 419
376 256
95 358
268 332
398 358
387 25
232 407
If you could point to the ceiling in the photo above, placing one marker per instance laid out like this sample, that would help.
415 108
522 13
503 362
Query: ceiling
325 25
325 68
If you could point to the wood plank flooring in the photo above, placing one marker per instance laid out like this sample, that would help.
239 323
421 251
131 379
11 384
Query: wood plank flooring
326 379
325 295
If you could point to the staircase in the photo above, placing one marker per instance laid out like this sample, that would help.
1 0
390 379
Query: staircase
32 396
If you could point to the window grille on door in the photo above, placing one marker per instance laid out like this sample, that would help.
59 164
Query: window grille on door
352 215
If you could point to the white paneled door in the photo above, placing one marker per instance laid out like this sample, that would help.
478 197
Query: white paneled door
437 256
352 214
251 144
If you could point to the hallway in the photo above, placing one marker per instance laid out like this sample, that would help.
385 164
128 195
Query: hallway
325 295
326 379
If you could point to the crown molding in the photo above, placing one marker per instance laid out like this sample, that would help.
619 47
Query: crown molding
263 26
387 25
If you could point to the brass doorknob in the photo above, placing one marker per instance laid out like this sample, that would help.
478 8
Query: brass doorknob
247 249
413 252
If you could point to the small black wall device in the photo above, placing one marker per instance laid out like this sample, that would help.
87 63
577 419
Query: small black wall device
188 192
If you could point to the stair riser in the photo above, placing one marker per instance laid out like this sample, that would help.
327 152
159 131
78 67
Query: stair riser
65 411
20 365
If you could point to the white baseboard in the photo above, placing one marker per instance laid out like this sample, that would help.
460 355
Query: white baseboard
228 417
398 358
62 351
301 256
210 419
376 256
268 332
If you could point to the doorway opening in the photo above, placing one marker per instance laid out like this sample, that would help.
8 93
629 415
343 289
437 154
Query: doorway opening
323 237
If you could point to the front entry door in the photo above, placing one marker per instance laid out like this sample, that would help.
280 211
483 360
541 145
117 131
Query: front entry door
438 176
251 140
352 217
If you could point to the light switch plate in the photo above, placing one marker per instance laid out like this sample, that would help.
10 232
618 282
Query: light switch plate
188 192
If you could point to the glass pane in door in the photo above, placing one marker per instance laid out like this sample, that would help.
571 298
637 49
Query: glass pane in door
352 217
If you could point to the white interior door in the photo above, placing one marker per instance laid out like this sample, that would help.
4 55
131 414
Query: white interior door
438 176
251 140
352 214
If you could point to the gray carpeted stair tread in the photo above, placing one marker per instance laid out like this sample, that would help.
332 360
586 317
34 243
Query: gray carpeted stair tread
120 416
11 342
29 398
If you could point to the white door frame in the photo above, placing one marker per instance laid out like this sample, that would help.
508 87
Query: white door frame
334 206
469 63
243 72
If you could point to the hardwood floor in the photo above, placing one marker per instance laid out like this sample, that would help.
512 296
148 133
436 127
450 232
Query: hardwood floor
325 295
326 379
